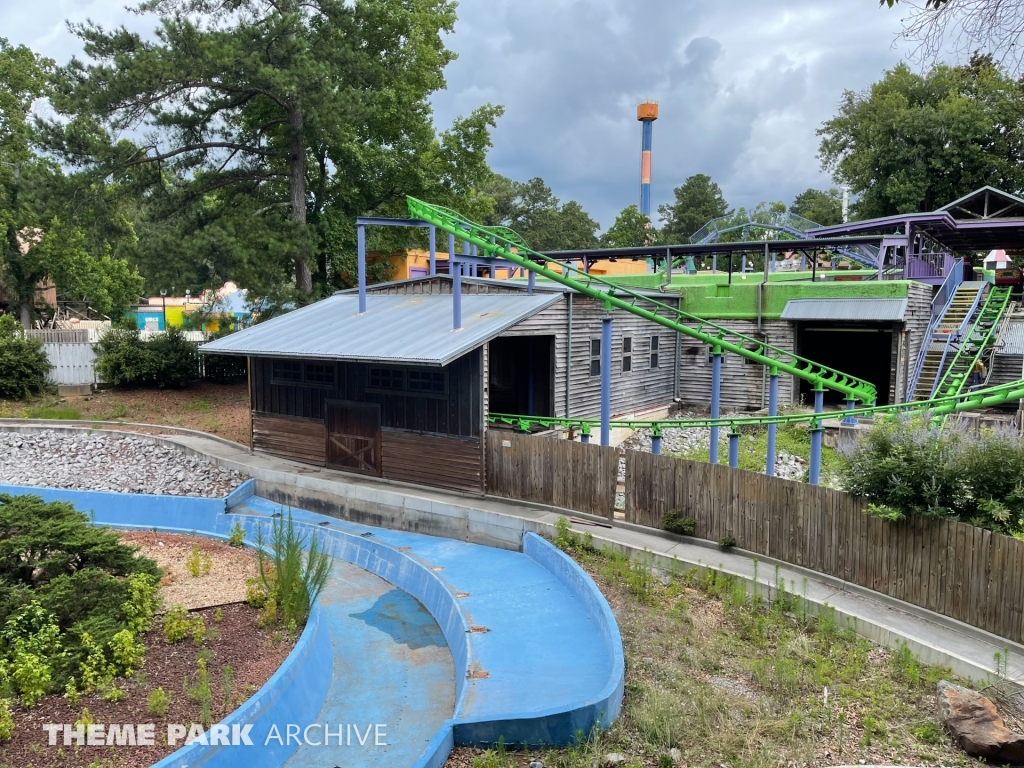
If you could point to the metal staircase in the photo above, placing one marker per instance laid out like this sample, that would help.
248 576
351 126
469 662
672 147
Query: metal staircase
964 334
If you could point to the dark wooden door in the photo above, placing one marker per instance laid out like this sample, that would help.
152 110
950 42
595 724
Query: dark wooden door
353 436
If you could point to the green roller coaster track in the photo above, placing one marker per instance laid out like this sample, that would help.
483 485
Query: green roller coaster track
977 341
503 243
937 407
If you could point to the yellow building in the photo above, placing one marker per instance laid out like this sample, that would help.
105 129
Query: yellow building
416 263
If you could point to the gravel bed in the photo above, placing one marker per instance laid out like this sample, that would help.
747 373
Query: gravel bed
98 462
223 583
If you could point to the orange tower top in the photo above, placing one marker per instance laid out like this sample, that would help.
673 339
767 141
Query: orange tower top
647 111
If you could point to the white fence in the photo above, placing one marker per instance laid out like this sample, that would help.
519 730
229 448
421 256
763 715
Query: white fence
72 355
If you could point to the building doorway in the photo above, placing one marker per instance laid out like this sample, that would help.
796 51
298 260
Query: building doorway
521 376
859 350
353 437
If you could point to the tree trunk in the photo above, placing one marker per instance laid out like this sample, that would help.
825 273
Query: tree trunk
26 316
297 189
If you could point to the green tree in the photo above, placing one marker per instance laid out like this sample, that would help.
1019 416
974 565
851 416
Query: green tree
259 117
823 207
33 191
697 201
631 229
533 211
915 142
22 81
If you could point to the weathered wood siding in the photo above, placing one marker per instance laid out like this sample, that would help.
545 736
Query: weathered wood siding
445 462
547 470
442 285
643 386
551 321
302 440
744 384
916 321
458 412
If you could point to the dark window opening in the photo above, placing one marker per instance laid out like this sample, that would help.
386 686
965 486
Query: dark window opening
287 370
595 357
319 373
627 364
521 375
426 381
386 378
654 343
654 360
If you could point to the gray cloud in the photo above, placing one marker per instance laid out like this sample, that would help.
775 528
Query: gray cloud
743 85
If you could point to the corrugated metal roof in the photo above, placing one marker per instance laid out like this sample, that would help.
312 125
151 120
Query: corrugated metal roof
845 309
407 329
1012 340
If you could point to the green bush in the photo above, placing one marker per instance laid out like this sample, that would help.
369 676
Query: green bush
159 702
168 360
908 466
23 364
6 720
176 624
67 590
675 522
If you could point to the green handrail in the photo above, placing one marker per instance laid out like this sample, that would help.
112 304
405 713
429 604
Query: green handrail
939 406
502 243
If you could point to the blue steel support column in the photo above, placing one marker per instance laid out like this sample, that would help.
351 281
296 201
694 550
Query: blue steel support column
531 281
773 410
656 442
716 396
606 377
361 247
815 471
433 250
456 284
850 421
714 263
468 268
734 447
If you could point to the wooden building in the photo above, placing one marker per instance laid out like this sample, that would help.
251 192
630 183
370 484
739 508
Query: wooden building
397 392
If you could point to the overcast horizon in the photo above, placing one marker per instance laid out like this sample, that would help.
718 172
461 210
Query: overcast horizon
742 86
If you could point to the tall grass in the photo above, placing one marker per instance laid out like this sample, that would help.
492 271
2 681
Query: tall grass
292 573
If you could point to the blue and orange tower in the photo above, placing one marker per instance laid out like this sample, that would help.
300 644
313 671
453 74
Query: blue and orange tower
646 113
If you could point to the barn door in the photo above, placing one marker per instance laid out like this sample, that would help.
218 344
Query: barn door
353 436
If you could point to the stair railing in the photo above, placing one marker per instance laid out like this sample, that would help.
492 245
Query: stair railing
940 303
957 335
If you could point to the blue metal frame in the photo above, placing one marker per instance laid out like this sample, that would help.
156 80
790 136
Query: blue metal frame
606 377
716 400
773 410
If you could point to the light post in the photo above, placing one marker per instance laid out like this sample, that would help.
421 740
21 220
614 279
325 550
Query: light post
163 303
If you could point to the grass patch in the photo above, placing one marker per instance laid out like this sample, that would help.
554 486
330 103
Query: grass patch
50 412
731 678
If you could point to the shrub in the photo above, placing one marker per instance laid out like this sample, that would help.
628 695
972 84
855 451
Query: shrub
140 608
176 624
198 563
675 522
292 579
6 720
159 702
237 537
23 364
126 652
907 466
166 360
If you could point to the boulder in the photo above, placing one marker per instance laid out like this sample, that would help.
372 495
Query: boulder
974 723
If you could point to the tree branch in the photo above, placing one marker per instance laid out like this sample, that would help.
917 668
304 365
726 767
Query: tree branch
203 145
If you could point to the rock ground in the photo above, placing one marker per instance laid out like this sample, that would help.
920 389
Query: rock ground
97 462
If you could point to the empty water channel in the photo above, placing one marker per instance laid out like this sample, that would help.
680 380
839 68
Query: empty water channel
418 643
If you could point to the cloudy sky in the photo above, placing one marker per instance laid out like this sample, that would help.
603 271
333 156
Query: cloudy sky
742 84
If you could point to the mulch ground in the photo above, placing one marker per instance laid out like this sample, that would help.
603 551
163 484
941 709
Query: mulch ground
253 654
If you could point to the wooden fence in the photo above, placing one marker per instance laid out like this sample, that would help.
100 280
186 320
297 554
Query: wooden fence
952 568
562 473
